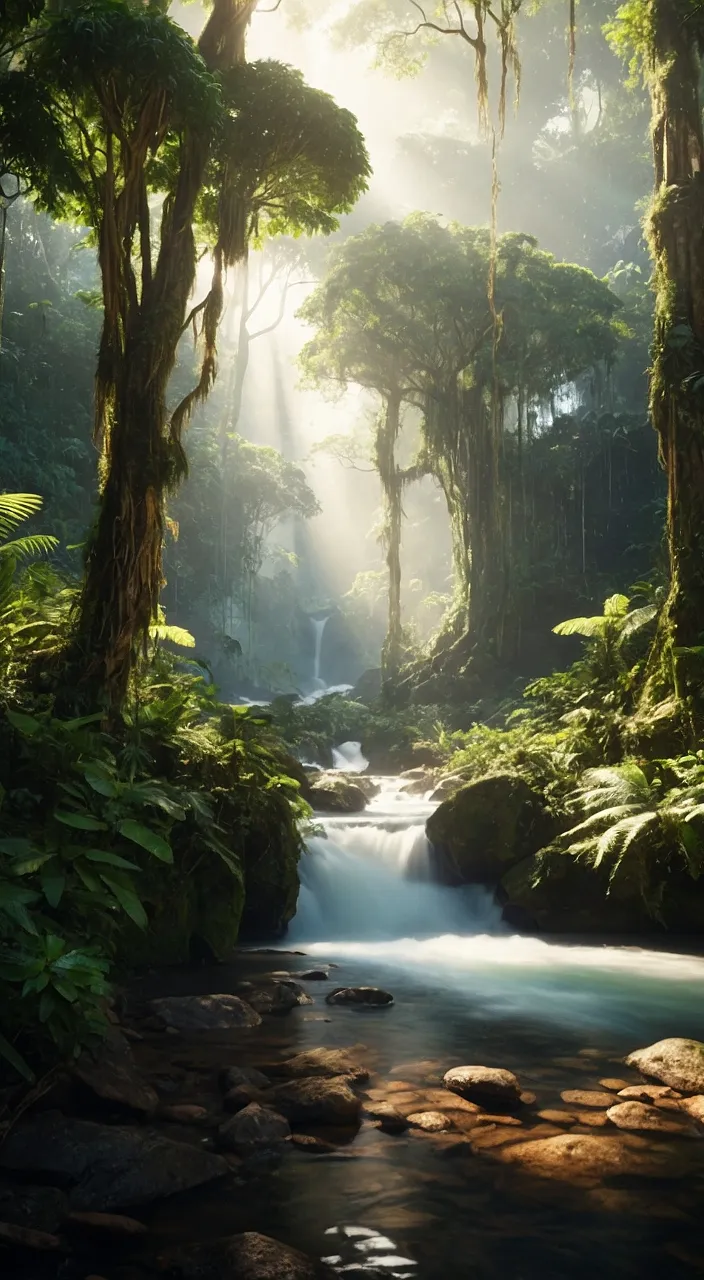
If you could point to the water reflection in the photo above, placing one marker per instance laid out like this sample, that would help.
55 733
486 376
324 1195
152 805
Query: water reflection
379 1258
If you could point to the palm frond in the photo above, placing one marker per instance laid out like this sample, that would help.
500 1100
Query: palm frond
636 620
34 544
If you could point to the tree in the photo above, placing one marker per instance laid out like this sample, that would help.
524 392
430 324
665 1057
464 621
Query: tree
162 147
664 40
404 311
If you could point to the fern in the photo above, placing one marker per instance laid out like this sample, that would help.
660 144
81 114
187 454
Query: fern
15 508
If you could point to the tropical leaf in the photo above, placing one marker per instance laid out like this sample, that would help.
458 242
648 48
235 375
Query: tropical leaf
148 839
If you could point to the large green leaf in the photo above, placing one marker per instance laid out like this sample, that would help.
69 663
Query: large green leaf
127 899
146 838
15 1059
27 725
80 821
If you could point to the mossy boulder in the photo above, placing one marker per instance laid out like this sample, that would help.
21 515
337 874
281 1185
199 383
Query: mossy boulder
272 848
559 893
563 894
337 793
488 827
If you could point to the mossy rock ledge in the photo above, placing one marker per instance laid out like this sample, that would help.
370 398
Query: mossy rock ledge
488 827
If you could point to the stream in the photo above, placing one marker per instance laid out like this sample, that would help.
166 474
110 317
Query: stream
561 1015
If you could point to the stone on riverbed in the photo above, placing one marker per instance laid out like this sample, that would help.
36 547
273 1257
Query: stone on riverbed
484 1084
250 1256
242 1096
38 1208
586 1098
386 1115
323 1062
336 793
676 1062
360 997
316 1101
205 1013
587 1158
111 1073
233 1077
108 1167
638 1116
429 1121
280 997
658 1095
254 1129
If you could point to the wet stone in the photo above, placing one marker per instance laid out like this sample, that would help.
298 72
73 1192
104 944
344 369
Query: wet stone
253 1129
675 1062
205 1013
659 1095
587 1098
429 1121
484 1084
360 997
638 1116
614 1084
231 1077
250 1256
324 1063
316 1101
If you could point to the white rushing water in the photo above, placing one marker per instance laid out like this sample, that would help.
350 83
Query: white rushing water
368 895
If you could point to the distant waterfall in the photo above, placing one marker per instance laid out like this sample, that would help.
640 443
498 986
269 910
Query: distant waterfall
318 625
371 877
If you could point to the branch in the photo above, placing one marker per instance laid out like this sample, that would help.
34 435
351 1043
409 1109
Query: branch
192 314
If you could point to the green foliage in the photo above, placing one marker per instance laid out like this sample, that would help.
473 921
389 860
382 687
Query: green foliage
389 738
636 823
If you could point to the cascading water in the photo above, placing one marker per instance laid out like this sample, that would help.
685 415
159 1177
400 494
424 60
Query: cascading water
318 625
370 899
371 877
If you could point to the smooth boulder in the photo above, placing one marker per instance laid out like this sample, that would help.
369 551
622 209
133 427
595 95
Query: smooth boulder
205 1013
484 1085
254 1129
106 1167
111 1073
639 1117
280 996
488 827
250 1256
334 792
323 1062
676 1062
588 1158
233 1077
360 997
316 1100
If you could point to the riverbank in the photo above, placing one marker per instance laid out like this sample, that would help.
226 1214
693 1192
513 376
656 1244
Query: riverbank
547 1178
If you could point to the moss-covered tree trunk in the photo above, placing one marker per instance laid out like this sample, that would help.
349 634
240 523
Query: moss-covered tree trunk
676 232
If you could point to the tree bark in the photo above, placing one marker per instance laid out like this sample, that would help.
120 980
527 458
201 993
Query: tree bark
392 484
676 234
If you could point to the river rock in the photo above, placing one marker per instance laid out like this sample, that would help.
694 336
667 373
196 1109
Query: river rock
27 1238
280 997
254 1129
232 1077
658 1095
334 792
184 1113
112 1224
429 1121
250 1256
694 1107
205 1013
37 1208
315 975
107 1167
360 997
241 1096
323 1062
387 1116
586 1098
111 1073
316 1101
638 1116
588 1158
484 1084
677 1062
489 826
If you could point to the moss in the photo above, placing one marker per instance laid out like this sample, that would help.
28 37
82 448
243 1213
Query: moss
489 826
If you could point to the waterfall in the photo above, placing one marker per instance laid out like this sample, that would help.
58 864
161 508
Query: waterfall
370 877
318 625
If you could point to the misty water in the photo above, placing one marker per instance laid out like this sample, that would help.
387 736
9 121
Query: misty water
560 1015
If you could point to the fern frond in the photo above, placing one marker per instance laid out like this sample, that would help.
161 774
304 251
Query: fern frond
15 508
34 544
589 627
622 835
595 821
175 635
636 620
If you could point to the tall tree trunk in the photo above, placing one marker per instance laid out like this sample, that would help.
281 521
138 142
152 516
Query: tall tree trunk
387 435
676 234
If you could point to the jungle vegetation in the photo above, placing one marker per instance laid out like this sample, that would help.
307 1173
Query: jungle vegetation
511 383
